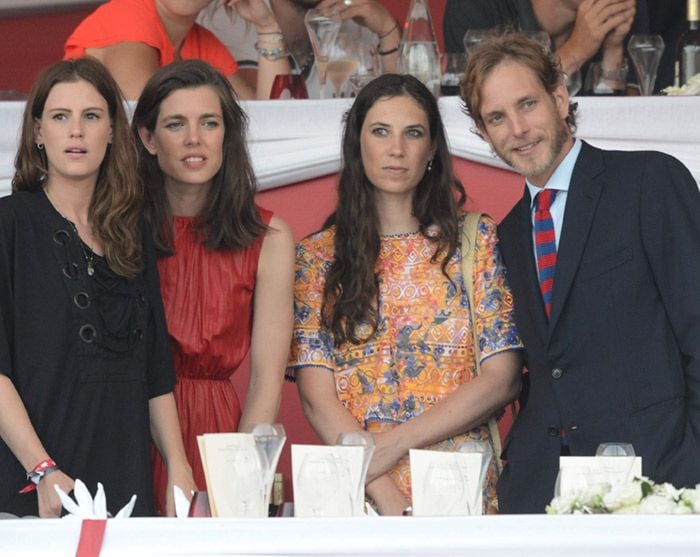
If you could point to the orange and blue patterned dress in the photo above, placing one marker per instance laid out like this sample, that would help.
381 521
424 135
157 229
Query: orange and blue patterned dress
423 349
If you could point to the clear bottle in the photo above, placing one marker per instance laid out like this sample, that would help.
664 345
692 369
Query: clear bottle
418 53
688 49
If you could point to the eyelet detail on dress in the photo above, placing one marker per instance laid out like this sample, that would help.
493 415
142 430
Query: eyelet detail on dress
82 300
87 333
71 270
61 237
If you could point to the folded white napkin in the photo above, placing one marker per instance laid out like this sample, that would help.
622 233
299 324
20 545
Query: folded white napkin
182 503
84 507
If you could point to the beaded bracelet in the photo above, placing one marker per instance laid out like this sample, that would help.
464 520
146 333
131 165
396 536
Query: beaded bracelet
273 54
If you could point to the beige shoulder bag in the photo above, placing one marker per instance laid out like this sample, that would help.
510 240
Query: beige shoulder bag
469 235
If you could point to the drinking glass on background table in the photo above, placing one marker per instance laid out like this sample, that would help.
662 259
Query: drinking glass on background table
645 52
359 439
323 32
472 38
606 82
541 37
288 86
453 64
269 439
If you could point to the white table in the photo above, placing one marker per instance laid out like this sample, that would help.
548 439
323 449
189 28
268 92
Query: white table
292 141
504 536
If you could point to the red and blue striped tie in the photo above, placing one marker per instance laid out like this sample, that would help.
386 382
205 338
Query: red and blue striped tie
545 245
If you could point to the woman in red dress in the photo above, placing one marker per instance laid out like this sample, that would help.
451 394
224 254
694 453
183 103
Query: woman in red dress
226 266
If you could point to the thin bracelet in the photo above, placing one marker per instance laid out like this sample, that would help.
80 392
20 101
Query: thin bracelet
387 52
272 54
389 32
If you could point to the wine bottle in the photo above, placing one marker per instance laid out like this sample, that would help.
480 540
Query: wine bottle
418 52
688 50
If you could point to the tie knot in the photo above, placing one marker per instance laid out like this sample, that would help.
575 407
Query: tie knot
544 199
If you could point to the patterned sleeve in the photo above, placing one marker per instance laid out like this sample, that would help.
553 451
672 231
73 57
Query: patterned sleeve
495 323
311 343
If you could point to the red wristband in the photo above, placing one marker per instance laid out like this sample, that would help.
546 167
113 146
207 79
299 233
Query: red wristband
39 471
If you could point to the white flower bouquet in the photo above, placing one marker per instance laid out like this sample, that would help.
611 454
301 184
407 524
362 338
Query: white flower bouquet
640 496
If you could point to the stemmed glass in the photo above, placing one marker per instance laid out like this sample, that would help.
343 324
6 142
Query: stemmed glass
645 52
472 38
249 497
269 440
346 58
322 481
445 483
484 448
359 439
323 32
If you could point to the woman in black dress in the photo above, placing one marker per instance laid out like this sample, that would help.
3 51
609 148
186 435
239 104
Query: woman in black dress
85 369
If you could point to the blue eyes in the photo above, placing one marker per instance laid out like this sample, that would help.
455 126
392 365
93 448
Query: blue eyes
207 124
412 132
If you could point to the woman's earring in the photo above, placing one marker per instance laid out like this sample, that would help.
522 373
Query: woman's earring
40 146
430 165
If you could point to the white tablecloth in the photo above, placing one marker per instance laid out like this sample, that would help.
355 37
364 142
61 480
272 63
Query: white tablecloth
495 536
292 141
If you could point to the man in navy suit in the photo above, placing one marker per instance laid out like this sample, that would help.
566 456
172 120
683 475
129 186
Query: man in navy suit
617 356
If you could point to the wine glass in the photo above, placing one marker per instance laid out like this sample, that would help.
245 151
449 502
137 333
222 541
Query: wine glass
322 484
269 439
444 483
249 498
472 38
323 32
365 440
645 52
484 448
345 59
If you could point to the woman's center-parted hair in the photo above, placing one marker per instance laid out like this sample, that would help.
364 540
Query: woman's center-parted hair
116 201
229 218
350 293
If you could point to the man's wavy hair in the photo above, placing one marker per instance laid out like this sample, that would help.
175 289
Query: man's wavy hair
115 206
350 296
229 218
502 46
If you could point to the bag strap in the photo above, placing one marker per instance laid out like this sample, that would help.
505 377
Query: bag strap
469 235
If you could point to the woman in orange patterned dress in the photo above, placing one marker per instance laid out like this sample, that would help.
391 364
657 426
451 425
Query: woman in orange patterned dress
226 265
383 336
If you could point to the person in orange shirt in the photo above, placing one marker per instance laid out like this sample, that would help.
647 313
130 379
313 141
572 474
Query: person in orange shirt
133 38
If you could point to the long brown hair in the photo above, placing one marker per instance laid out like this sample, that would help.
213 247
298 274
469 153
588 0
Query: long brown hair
229 218
350 293
115 206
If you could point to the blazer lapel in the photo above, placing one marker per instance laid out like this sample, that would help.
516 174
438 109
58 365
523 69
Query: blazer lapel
581 202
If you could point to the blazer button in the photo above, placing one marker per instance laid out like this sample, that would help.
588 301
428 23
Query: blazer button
557 373
553 431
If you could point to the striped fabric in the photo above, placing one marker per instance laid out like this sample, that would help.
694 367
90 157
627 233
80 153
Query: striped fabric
545 245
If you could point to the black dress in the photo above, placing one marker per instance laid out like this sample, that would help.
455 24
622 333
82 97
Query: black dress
85 353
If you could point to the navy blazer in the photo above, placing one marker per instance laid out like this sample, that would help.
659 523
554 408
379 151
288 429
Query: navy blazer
619 359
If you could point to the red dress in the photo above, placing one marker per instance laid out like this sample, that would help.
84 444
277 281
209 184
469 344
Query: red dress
208 301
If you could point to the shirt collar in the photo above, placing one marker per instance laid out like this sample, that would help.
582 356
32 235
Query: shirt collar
561 178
